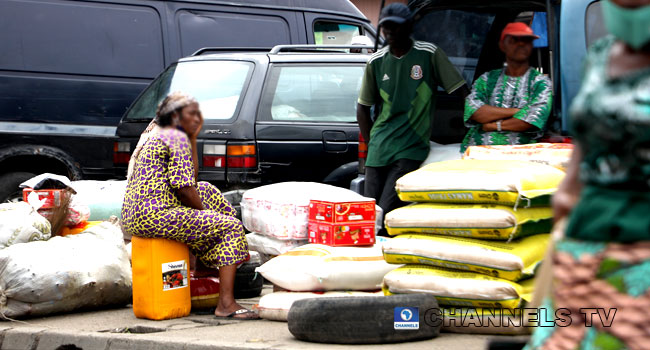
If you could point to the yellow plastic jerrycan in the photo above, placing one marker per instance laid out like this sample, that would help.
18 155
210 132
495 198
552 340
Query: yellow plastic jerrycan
161 283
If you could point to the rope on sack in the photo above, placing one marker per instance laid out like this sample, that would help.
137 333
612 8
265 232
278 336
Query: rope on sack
519 198
3 316
514 230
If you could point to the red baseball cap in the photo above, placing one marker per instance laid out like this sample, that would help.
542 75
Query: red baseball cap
518 29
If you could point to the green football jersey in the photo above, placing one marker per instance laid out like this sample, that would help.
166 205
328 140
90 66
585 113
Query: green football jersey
404 90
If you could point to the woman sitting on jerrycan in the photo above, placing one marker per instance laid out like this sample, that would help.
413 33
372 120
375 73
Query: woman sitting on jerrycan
164 200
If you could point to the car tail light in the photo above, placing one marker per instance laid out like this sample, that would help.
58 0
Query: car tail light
241 156
121 153
363 154
214 156
363 148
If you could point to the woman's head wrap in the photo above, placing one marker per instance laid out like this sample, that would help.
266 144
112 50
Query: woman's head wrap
173 102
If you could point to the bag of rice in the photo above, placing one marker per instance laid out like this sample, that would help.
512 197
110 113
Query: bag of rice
458 288
275 306
509 182
485 221
511 261
554 154
317 267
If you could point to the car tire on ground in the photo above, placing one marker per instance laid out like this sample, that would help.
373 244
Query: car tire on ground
9 182
360 320
248 283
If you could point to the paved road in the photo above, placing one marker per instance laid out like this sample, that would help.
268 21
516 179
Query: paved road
104 330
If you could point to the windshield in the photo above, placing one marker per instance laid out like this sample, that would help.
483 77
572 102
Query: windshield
313 93
460 34
217 85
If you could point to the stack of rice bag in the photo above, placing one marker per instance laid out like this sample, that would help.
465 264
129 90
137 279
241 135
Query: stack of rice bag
474 237
312 269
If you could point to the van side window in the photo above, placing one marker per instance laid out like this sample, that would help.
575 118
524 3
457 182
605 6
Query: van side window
200 29
100 39
594 23
312 93
331 33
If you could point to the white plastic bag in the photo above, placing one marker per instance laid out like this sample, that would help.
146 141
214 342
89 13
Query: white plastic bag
90 269
272 246
104 198
282 210
20 223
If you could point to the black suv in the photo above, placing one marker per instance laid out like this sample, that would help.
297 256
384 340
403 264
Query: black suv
279 115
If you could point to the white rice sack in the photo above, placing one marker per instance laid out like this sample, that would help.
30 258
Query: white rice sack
20 223
458 288
87 270
272 246
282 210
507 182
275 306
439 152
512 261
316 267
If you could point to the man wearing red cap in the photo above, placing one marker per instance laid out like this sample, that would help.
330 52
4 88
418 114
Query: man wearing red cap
509 106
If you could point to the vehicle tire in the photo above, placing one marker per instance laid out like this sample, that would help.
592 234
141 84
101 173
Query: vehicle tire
9 182
360 320
248 283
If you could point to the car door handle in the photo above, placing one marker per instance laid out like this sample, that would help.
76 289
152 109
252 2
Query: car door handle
335 141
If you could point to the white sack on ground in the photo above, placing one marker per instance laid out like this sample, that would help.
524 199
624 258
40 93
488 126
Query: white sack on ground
439 152
87 270
282 210
275 306
317 267
20 223
272 246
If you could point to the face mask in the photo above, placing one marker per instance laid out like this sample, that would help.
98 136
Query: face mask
629 25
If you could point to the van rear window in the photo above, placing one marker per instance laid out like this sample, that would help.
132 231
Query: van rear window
217 85
460 34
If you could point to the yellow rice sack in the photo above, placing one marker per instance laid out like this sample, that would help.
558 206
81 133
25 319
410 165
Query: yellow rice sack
458 288
484 321
511 261
509 182
554 154
484 221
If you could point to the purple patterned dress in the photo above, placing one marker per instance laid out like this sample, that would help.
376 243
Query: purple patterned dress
152 209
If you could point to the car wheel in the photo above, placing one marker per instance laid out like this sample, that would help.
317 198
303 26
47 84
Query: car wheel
360 320
9 182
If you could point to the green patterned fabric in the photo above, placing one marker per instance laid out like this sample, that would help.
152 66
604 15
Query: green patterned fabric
405 91
611 122
531 92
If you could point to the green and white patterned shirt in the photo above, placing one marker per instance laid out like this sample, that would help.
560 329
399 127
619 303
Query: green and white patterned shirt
531 92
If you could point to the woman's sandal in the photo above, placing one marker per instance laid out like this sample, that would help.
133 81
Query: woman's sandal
233 315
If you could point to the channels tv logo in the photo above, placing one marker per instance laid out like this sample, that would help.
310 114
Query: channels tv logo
406 318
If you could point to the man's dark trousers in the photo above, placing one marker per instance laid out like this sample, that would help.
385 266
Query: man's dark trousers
380 183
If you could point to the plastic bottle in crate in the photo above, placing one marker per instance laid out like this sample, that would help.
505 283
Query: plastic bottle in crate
160 278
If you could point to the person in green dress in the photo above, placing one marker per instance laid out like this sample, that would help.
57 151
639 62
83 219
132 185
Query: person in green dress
603 260
509 106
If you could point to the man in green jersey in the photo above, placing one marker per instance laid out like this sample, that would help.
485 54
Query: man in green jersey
401 80
510 105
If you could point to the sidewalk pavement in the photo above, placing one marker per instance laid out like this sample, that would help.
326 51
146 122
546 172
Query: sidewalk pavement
119 329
